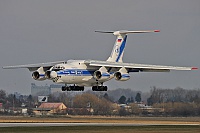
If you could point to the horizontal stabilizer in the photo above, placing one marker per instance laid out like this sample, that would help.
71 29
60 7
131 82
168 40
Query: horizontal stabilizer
127 32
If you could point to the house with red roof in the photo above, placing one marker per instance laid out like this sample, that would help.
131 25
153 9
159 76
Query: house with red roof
50 109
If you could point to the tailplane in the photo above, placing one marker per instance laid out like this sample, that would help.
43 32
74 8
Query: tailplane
120 43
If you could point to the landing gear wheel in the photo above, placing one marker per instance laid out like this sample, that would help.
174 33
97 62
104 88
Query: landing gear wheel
72 88
64 88
99 88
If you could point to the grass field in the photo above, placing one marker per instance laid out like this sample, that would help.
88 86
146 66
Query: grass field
102 129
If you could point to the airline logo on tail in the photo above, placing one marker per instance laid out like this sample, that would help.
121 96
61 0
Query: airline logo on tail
119 40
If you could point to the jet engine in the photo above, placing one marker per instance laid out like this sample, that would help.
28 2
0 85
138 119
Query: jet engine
39 74
122 75
101 74
50 74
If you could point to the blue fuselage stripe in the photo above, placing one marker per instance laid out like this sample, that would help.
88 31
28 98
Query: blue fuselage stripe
121 49
80 72
76 72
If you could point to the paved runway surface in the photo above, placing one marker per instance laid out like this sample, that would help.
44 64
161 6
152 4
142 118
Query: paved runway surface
78 124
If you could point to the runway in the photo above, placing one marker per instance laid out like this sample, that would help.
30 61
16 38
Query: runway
84 124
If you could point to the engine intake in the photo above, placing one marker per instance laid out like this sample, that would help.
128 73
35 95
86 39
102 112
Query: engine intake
50 74
122 75
38 76
47 74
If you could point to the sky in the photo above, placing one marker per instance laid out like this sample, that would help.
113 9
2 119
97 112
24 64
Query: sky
53 30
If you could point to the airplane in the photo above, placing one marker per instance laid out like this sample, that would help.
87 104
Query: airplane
77 74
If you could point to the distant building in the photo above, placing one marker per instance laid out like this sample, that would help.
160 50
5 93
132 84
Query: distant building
55 88
45 90
40 90
50 109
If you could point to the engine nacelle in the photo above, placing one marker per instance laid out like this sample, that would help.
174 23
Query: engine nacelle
101 76
121 76
39 74
50 74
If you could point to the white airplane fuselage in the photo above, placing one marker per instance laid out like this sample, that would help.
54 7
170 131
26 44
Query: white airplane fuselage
76 72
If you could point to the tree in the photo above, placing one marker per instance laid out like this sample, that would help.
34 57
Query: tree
2 96
106 96
30 100
132 100
100 105
135 110
138 97
129 100
122 100
122 112
149 101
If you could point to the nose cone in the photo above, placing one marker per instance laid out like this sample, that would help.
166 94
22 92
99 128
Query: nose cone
53 74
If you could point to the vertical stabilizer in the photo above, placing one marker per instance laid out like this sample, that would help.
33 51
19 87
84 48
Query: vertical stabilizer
118 49
120 43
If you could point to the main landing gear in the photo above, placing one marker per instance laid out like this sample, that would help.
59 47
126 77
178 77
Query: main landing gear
72 88
99 88
81 88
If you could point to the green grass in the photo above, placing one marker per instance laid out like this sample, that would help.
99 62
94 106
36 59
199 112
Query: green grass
102 129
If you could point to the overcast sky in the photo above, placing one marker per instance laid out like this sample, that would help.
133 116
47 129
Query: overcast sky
35 31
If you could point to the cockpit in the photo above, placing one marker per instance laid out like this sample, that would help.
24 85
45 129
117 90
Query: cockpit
58 68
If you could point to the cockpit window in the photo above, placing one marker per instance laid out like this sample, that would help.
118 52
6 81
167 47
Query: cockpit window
58 68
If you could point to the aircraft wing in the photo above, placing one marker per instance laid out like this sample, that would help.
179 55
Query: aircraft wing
132 67
33 67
